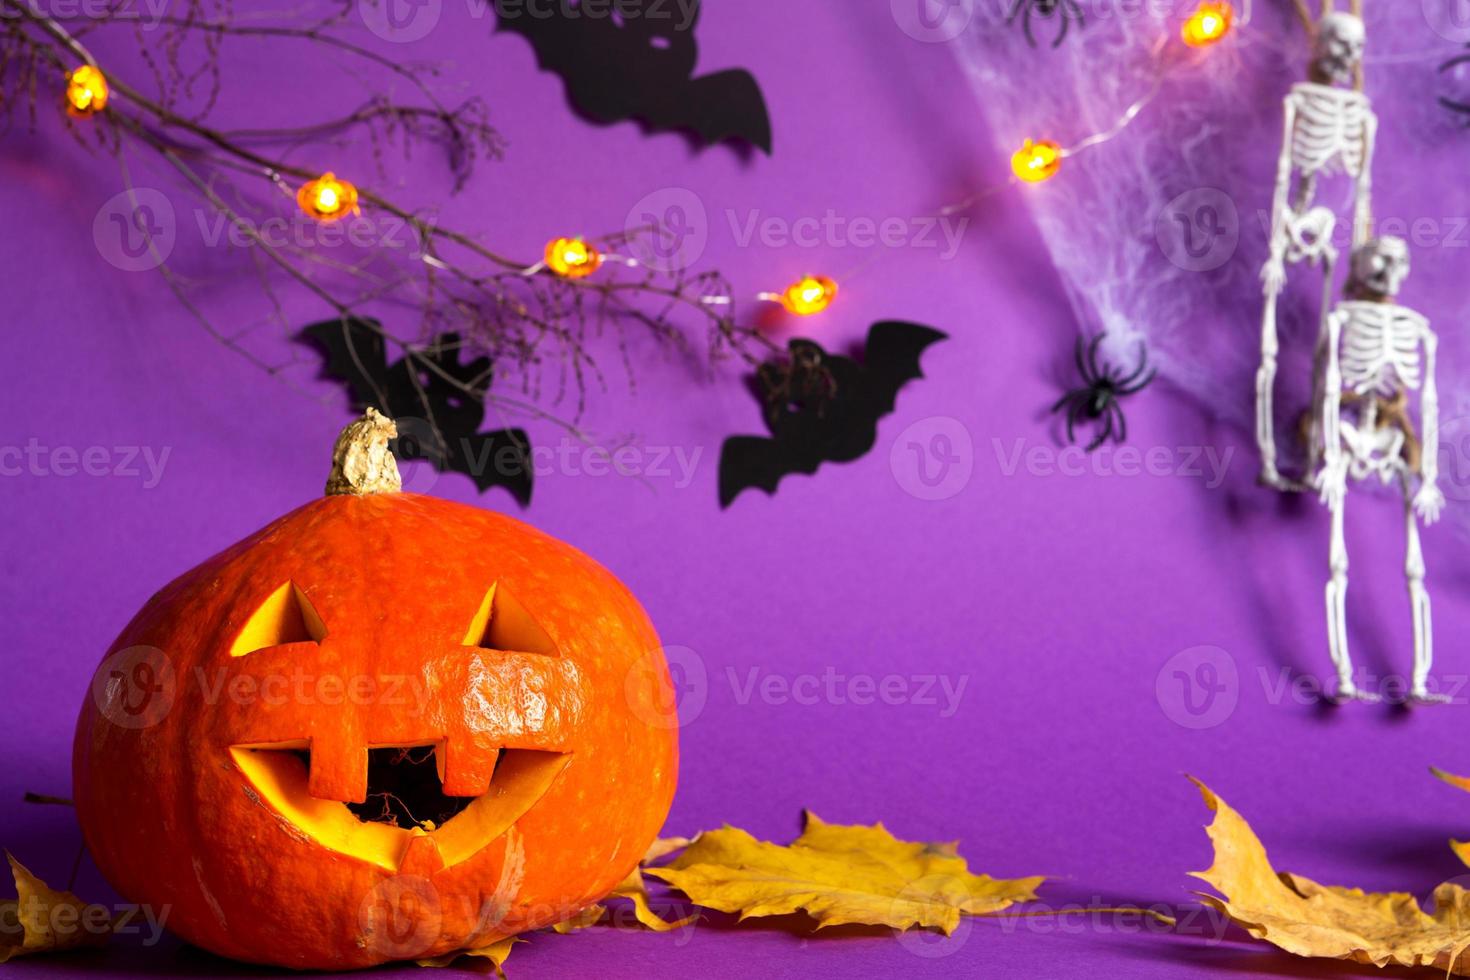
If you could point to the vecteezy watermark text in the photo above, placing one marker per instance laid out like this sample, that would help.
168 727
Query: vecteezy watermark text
68 919
127 462
831 687
833 230
1206 463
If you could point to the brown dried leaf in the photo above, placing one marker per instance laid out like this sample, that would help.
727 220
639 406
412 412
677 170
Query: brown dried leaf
43 920
1308 919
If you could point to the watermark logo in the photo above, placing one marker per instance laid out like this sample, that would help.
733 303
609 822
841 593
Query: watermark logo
1199 687
400 21
415 449
672 705
1450 19
934 458
1454 458
401 917
668 229
929 898
932 21
135 688
1199 230
135 230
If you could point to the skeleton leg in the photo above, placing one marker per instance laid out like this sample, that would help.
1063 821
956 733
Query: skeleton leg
1418 602
1265 388
1337 608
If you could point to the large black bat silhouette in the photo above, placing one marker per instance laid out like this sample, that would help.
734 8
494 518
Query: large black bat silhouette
634 59
822 408
446 435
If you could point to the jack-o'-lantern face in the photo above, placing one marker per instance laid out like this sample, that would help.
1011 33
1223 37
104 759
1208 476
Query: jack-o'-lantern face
378 694
348 774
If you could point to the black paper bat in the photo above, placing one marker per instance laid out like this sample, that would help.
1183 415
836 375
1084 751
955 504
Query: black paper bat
634 59
822 408
354 353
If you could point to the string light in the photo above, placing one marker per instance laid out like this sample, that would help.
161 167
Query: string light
1037 160
572 258
86 92
808 295
1210 22
327 198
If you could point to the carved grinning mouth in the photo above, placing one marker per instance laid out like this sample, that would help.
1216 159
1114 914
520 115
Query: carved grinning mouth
405 800
404 789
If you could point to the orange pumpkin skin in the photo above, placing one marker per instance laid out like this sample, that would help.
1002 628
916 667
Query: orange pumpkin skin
173 820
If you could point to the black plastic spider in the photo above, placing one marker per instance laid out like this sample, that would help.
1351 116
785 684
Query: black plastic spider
798 381
1069 10
1105 385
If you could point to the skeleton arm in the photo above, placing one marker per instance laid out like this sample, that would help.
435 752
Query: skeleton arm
1273 274
1363 210
1429 499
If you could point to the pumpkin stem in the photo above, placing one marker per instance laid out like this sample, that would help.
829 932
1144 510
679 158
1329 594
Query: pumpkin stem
361 460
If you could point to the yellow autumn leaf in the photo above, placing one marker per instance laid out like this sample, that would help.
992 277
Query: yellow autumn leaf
495 954
43 920
589 916
839 874
1461 848
1308 919
663 847
632 888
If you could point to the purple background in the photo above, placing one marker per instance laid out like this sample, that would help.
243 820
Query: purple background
1060 600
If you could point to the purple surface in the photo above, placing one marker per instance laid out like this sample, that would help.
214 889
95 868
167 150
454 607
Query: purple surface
1060 601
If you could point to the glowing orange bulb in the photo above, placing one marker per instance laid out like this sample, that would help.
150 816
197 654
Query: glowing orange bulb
572 257
86 92
1209 23
1037 160
327 198
808 295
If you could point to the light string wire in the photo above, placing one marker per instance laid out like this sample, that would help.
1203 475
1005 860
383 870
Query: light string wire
1168 57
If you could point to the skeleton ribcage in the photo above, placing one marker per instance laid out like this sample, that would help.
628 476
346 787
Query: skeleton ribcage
1331 129
1380 347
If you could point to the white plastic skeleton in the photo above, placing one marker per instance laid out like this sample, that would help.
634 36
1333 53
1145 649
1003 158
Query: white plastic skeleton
1377 352
1330 127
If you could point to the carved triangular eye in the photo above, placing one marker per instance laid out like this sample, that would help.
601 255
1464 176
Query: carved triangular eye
287 616
502 623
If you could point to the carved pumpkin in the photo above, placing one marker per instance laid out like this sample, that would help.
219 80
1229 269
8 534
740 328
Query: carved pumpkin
384 727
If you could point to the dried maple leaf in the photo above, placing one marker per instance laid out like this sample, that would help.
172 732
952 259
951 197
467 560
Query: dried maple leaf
1461 848
632 888
589 916
839 874
494 954
1308 919
43 920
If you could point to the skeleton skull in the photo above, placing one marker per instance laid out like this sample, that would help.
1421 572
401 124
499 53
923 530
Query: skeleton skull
1380 267
1338 49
